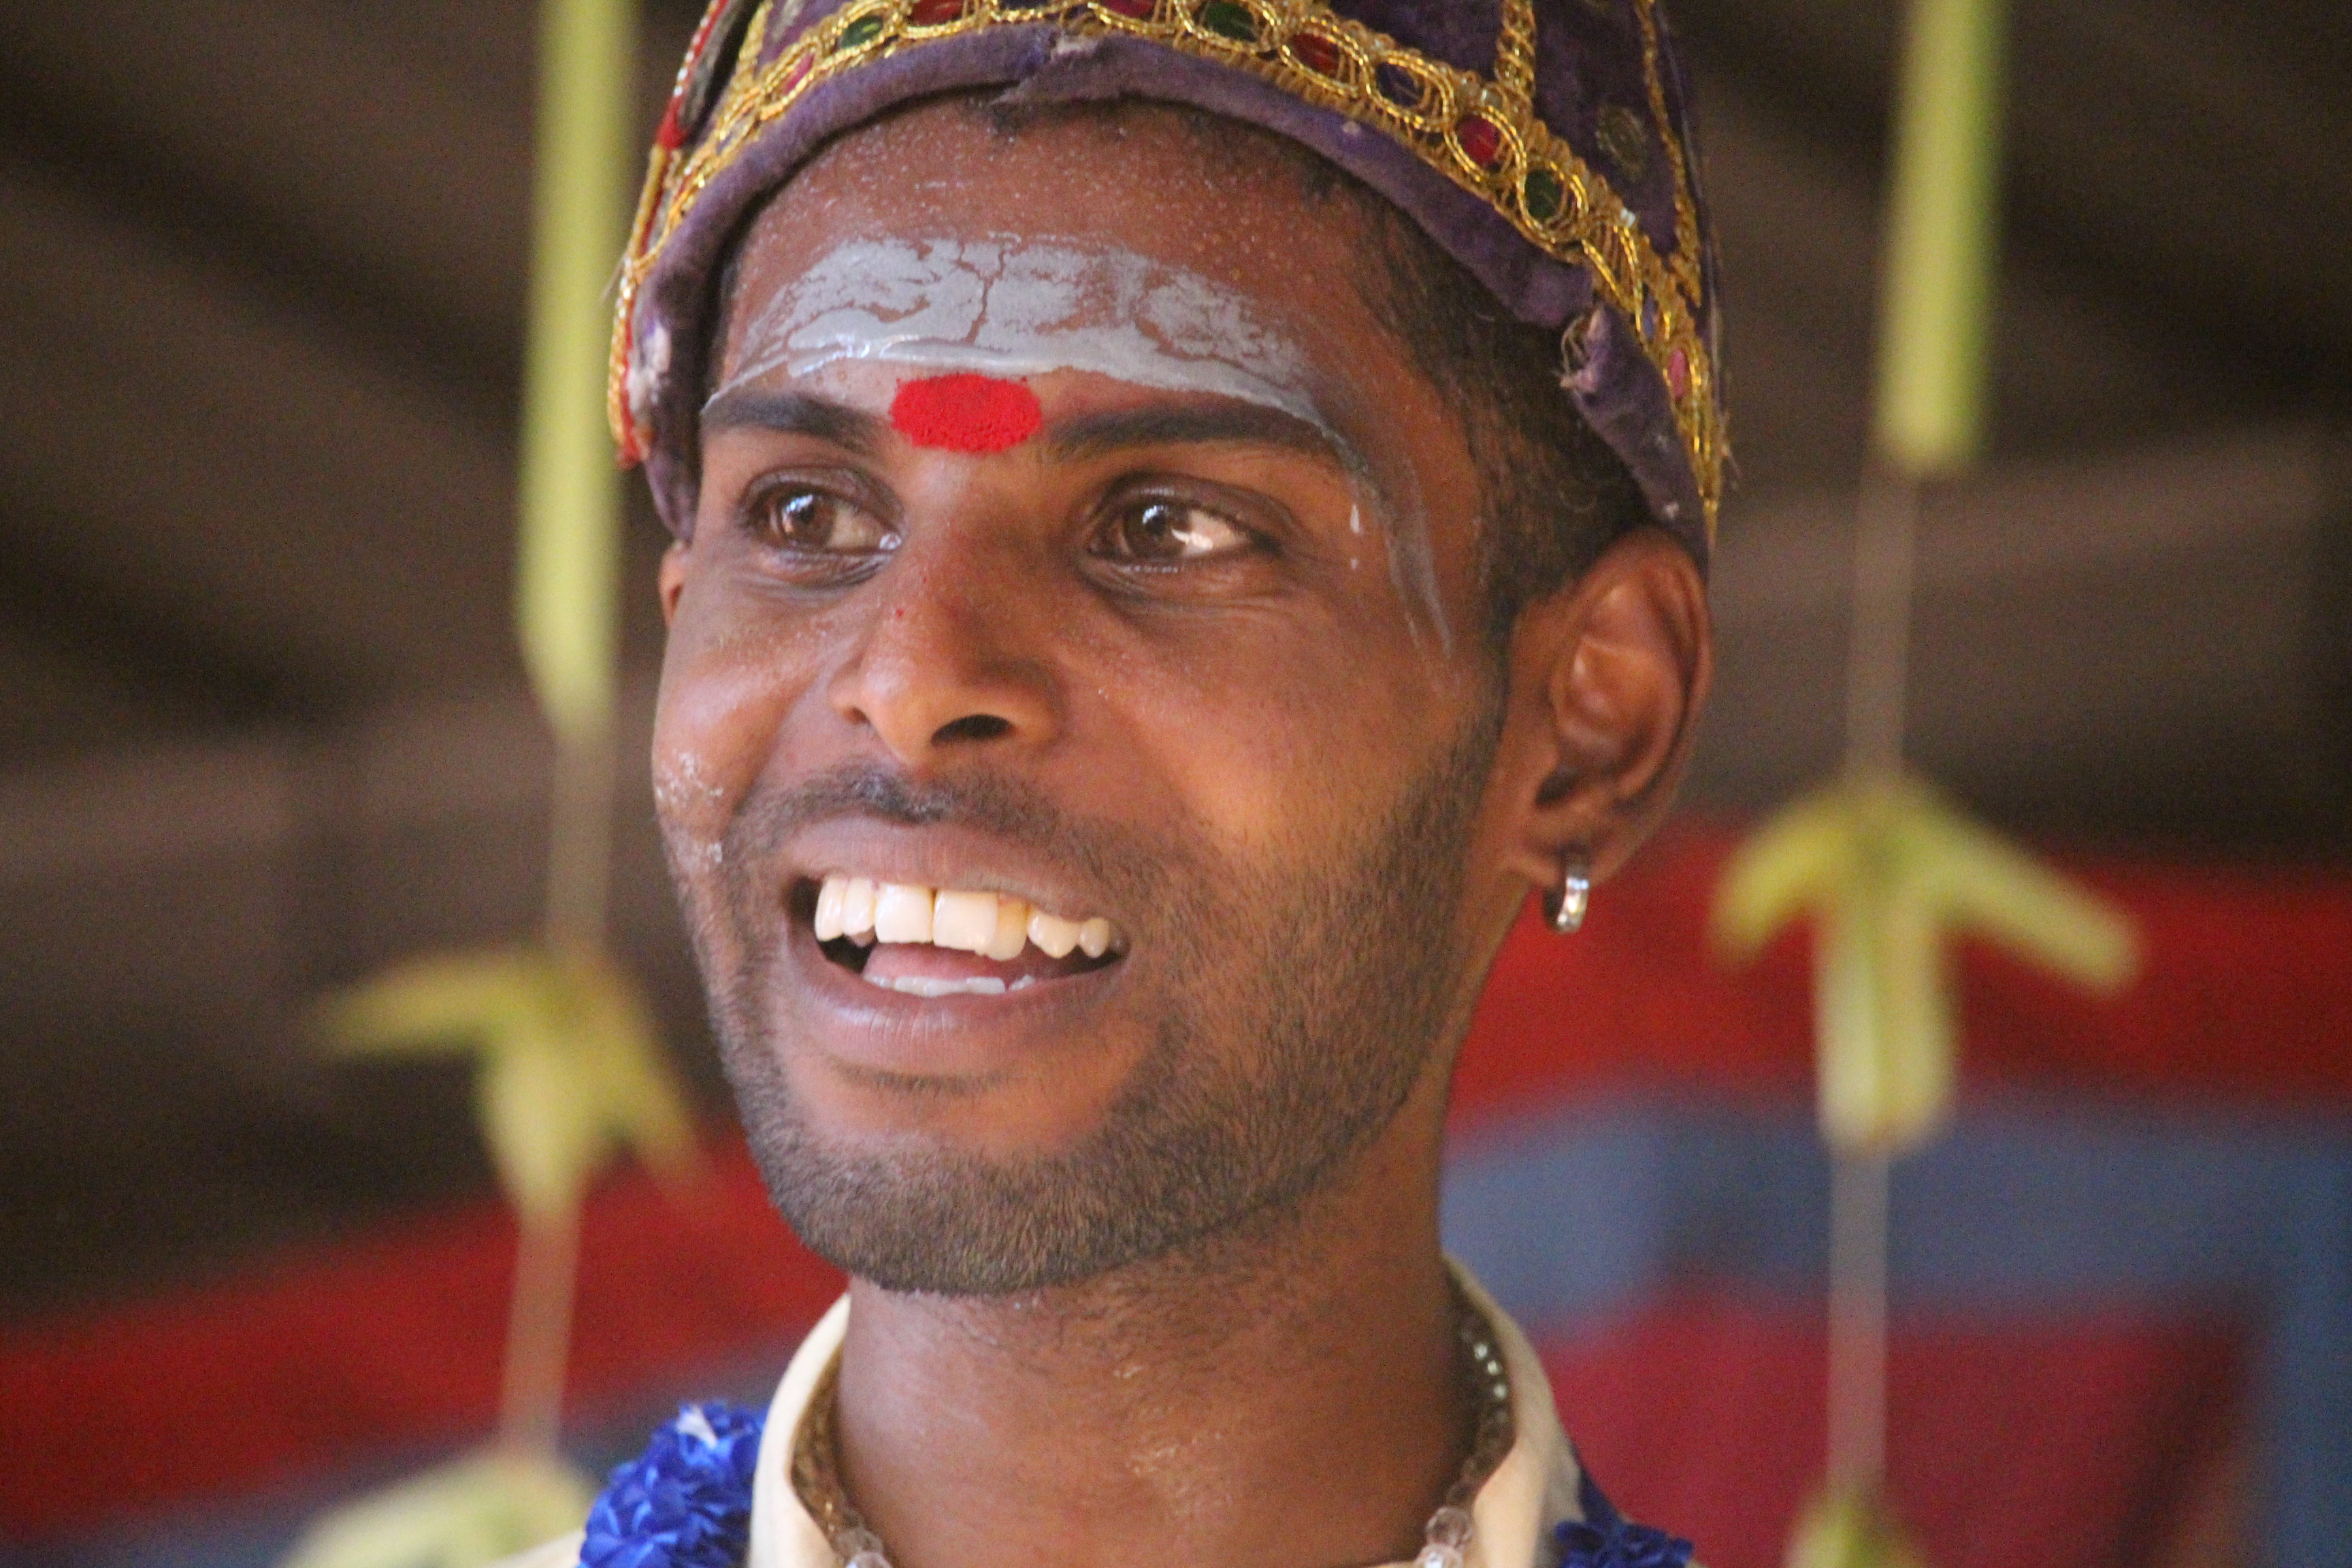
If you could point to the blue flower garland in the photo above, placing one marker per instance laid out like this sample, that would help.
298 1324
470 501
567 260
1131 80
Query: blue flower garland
686 1501
1604 1538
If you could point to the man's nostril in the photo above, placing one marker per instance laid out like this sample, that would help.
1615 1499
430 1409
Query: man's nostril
972 727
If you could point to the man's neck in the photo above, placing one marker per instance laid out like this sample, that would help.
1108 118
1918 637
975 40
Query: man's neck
1287 1394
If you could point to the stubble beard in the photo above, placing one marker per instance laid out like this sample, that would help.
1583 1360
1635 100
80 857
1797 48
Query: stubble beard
1338 978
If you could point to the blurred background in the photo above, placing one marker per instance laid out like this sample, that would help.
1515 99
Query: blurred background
266 730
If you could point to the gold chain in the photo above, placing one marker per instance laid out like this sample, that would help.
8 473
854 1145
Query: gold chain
816 1464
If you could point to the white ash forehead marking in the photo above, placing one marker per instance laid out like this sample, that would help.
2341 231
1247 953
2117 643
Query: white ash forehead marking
1008 307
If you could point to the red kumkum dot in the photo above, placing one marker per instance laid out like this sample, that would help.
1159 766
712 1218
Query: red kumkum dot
965 413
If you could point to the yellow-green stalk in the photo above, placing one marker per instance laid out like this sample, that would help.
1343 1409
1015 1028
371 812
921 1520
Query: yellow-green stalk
1942 240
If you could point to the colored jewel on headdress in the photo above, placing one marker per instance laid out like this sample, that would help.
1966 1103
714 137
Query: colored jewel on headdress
710 49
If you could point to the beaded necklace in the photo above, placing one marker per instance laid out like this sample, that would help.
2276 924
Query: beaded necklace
817 1467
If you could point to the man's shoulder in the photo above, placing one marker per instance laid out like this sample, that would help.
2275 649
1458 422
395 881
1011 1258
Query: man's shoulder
561 1552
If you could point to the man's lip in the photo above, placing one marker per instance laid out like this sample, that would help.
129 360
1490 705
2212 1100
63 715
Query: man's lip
923 961
963 1039
949 962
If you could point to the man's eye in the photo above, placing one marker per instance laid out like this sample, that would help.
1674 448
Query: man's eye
820 522
1161 531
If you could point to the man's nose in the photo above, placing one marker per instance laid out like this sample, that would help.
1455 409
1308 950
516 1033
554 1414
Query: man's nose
949 661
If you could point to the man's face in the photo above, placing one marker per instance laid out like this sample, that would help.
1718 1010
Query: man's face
1165 630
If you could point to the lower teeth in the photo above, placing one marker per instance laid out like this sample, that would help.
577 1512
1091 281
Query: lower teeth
980 986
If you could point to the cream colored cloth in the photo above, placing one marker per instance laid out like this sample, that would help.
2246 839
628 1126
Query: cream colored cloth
1532 1490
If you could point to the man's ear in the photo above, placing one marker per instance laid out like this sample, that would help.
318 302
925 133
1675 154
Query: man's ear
1608 677
672 580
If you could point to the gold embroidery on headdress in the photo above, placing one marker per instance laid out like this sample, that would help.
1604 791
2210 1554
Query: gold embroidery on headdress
1514 54
1483 135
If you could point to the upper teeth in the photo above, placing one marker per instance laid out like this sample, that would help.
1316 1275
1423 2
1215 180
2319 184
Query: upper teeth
989 924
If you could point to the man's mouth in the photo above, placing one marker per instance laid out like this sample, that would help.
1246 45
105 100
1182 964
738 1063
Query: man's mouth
953 941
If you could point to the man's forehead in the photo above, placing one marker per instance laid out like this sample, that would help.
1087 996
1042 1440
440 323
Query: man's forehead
940 243
966 157
1115 209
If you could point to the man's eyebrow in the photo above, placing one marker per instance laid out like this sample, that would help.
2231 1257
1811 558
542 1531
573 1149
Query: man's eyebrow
1095 434
795 414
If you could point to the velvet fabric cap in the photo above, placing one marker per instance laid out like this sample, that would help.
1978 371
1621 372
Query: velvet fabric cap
1543 144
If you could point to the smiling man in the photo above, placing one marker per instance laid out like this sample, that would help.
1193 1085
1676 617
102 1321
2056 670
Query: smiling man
1187 511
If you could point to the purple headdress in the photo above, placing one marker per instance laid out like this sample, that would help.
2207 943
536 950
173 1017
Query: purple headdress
1543 144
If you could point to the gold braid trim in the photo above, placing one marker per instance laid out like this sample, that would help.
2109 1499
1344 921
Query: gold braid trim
1703 412
1481 135
1514 54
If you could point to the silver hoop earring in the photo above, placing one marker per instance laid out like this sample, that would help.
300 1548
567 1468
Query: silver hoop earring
1564 905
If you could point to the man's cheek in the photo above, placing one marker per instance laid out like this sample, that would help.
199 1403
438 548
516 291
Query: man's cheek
1262 805
1278 762
713 732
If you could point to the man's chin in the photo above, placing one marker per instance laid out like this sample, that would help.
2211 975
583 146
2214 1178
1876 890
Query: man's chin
1004 1102
961 1183
946 1222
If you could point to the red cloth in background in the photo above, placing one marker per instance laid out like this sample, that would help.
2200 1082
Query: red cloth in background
2074 1441
394 1340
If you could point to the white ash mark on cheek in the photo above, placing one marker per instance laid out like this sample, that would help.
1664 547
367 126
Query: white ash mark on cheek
1004 306
693 853
1403 523
690 850
1414 571
682 783
685 796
